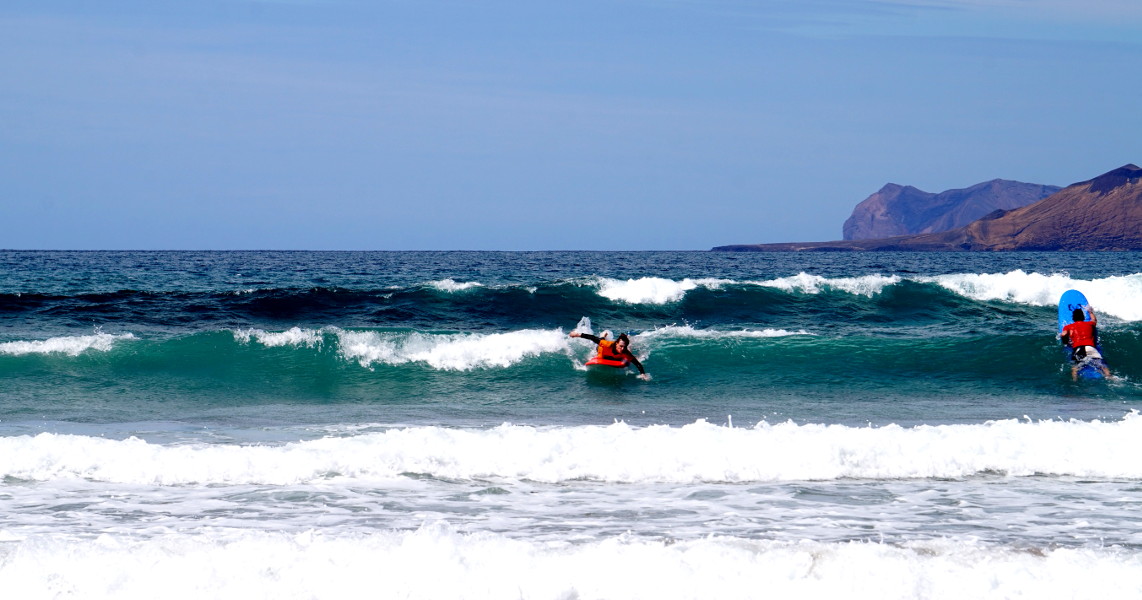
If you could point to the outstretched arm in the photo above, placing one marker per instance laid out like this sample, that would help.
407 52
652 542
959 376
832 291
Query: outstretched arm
630 355
1093 317
585 336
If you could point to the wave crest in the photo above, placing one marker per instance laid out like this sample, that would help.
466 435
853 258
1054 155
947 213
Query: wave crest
69 345
453 352
617 453
653 290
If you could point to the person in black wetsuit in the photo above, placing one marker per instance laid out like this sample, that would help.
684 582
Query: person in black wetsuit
618 349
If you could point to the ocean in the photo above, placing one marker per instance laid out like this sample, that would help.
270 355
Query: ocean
420 425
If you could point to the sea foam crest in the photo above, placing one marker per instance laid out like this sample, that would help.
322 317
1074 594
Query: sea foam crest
69 345
652 290
456 352
295 336
1120 296
437 561
868 285
451 285
699 452
656 290
687 331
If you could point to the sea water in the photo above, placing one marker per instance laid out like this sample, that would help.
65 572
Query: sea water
420 425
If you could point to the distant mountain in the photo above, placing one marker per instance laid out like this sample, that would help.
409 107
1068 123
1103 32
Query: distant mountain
1104 213
903 210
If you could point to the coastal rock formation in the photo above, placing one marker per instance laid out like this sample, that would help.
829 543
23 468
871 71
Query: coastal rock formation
1104 213
902 210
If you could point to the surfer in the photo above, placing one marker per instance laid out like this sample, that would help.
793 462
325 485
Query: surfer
618 349
1082 337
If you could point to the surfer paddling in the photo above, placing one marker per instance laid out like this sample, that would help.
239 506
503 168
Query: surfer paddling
1082 337
614 350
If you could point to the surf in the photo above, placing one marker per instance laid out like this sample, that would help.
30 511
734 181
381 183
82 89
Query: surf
438 561
616 453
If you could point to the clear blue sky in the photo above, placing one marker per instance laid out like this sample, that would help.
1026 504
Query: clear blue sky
493 125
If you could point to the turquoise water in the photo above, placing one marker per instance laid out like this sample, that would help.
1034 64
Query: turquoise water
265 418
477 338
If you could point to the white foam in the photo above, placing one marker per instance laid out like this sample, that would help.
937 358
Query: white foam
653 290
70 345
699 452
868 285
296 337
1017 286
451 285
455 352
1120 296
687 331
436 561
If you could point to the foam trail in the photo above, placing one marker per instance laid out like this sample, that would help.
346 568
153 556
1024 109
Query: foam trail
69 345
699 452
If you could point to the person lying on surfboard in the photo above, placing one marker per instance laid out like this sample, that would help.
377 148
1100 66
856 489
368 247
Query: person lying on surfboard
1082 337
618 349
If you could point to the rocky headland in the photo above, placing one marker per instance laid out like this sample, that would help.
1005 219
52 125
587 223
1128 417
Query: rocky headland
904 210
1101 214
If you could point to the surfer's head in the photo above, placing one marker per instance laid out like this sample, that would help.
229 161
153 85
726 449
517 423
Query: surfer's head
622 343
1078 315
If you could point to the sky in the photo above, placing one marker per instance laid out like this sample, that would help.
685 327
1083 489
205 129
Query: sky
499 125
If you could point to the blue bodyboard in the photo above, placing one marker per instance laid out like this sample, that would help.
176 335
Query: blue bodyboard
1070 300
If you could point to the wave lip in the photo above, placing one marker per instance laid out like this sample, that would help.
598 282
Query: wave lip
69 345
688 331
1120 296
867 285
653 290
451 285
294 336
452 352
445 351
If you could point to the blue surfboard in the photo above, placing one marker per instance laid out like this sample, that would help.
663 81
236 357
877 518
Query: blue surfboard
1068 302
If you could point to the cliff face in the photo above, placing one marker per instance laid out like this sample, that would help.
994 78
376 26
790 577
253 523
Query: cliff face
1104 213
902 210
